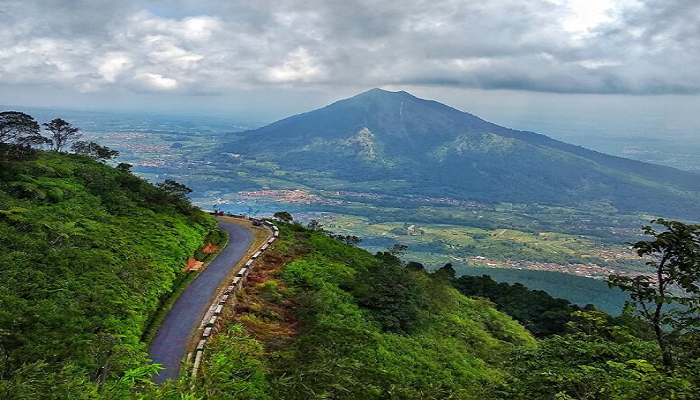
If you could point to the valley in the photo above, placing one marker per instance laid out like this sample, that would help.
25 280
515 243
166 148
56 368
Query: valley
363 187
585 238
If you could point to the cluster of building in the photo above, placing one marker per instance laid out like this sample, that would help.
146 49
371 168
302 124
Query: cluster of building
297 196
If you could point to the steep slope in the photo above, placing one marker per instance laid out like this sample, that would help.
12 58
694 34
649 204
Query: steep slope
86 253
322 320
427 148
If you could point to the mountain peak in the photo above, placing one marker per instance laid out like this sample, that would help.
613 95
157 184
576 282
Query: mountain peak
382 93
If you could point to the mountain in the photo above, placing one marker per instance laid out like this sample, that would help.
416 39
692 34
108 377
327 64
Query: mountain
402 144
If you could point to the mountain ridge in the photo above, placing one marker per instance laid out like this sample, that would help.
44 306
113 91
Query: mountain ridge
430 147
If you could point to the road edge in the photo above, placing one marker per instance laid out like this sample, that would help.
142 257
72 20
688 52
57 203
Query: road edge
225 294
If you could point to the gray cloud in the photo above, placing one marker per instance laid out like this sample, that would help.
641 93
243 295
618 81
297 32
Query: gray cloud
183 47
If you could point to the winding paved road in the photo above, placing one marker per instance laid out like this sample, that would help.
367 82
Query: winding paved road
169 345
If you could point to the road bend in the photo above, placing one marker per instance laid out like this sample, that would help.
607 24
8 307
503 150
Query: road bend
169 345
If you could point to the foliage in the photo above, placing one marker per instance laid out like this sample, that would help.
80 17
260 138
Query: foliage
372 329
87 252
397 250
61 133
284 216
124 167
393 295
675 258
588 367
94 150
350 240
447 271
353 344
174 189
19 128
234 369
539 312
576 289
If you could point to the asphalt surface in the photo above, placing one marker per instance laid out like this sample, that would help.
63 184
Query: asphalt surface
169 345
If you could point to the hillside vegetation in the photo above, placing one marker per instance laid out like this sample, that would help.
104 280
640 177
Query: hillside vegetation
363 327
395 143
320 319
87 253
576 289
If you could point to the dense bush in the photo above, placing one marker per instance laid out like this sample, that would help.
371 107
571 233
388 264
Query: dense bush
86 252
539 312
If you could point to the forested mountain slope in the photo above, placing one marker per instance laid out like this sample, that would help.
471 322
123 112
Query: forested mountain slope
321 319
422 147
86 253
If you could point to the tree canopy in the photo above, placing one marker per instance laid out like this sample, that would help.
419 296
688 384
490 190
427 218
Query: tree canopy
94 150
61 133
18 127
674 257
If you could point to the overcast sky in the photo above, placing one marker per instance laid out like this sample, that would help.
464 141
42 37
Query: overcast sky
275 57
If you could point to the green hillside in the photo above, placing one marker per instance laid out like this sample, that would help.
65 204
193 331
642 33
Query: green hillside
576 289
323 320
89 252
338 322
397 144
86 254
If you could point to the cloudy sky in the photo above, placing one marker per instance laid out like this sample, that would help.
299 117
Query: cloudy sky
284 56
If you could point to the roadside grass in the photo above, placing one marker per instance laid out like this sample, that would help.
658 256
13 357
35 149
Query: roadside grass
219 239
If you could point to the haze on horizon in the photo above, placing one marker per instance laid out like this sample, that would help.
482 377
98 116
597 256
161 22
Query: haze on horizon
625 67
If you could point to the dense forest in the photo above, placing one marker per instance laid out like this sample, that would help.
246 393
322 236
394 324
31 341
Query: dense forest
325 320
87 254
577 289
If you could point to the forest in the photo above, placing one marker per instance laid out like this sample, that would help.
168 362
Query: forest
88 252
326 320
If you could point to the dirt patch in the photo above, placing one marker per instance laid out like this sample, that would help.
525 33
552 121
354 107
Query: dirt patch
264 307
193 265
210 248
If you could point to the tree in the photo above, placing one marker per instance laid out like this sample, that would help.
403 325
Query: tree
61 132
674 255
284 216
314 225
415 266
124 167
18 127
94 150
397 250
34 140
351 240
447 270
174 188
393 296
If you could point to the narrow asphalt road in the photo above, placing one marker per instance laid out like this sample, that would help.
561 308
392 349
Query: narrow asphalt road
170 342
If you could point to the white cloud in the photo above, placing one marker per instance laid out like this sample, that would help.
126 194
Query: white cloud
588 46
113 64
298 66
156 81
